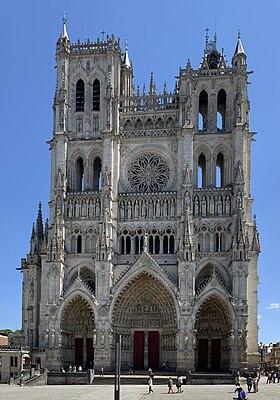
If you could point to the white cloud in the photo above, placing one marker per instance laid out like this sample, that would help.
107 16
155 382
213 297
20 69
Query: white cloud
259 316
273 306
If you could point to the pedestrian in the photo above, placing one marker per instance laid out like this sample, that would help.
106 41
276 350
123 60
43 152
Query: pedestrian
150 383
179 385
268 378
241 394
170 385
249 383
237 382
102 372
256 384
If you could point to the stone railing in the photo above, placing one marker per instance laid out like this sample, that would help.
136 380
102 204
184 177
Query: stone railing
148 132
134 206
83 205
149 102
98 47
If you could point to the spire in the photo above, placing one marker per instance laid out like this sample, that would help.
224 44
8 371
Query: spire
152 85
39 223
239 47
255 240
64 34
126 61
188 67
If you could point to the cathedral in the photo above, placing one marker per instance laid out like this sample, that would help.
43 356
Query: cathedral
150 232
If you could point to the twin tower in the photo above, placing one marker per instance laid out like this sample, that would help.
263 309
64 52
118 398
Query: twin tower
150 232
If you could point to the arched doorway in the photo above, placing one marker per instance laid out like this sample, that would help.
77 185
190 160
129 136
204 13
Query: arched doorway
213 327
78 333
145 315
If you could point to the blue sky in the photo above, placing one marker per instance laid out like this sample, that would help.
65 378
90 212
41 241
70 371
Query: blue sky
161 35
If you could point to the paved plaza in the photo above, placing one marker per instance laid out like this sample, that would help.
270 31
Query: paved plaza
133 392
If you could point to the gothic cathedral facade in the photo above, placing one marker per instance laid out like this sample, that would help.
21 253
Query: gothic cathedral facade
150 232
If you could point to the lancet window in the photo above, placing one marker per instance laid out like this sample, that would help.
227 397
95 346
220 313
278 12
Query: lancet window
80 181
201 171
97 174
221 110
96 95
203 111
80 95
220 170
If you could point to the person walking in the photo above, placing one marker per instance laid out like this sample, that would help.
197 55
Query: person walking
170 385
256 384
249 383
150 383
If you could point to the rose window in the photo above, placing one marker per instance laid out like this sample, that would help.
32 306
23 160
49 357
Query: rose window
149 172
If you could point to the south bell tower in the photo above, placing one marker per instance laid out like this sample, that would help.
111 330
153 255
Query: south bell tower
150 232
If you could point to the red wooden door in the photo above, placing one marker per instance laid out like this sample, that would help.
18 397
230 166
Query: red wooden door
138 358
215 354
153 347
78 352
90 352
202 354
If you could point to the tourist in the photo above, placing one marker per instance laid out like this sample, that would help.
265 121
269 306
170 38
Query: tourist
150 383
249 383
237 381
256 384
241 393
179 385
269 378
102 372
170 385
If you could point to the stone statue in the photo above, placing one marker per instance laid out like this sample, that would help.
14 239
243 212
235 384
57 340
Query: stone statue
219 205
136 209
129 210
164 208
122 210
203 206
227 205
196 206
158 209
172 209
212 205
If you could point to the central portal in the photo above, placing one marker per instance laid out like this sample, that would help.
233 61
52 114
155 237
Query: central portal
146 350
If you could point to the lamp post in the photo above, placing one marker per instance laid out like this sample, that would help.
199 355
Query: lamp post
117 366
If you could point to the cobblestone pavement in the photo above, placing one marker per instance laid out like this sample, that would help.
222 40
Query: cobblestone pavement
132 392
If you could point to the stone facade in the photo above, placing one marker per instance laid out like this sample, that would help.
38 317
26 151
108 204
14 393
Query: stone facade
150 232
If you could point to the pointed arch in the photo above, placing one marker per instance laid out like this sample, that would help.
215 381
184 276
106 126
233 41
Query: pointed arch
214 323
77 317
144 307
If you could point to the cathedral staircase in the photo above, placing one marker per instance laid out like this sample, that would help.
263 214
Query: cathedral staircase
161 378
